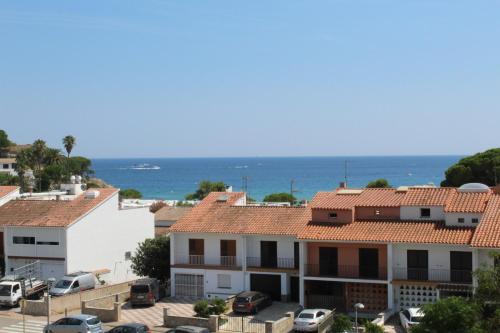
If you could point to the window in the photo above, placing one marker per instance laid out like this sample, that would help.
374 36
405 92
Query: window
425 213
333 215
5 166
461 220
76 284
15 288
224 281
74 322
475 220
128 255
47 243
23 240
227 248
196 247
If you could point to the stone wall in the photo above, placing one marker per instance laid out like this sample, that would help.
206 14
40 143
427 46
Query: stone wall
283 325
73 301
105 314
212 323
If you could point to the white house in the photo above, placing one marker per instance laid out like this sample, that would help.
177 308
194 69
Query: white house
8 165
8 193
74 230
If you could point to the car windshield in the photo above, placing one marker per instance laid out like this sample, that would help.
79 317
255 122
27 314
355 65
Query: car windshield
63 284
5 289
93 321
306 315
242 299
139 288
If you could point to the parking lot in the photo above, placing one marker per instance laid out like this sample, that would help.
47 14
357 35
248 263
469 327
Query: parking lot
153 315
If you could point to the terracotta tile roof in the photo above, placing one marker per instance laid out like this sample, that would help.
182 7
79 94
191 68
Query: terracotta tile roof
488 231
427 196
5 190
369 197
168 213
467 202
388 231
50 213
221 217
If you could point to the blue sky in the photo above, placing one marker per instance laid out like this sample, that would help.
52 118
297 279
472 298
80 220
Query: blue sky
252 78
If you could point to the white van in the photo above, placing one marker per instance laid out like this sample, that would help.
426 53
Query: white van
73 283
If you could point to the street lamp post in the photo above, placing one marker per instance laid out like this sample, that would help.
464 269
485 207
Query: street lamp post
357 306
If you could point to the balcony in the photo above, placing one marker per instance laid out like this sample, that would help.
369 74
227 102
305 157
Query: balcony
273 263
207 261
346 271
438 275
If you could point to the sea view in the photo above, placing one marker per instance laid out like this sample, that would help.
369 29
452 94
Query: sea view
173 178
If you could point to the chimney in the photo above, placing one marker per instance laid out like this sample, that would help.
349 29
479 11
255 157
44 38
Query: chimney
343 185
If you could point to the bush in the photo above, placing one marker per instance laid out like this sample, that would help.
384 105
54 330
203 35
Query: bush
280 197
206 308
130 193
202 309
373 328
378 183
156 206
341 323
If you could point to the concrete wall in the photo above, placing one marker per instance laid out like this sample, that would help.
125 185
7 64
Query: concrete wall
8 197
101 239
413 213
323 215
174 321
106 315
284 245
34 250
283 325
211 247
452 219
73 301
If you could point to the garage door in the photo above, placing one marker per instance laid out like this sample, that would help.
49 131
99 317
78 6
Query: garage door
189 285
268 284
52 270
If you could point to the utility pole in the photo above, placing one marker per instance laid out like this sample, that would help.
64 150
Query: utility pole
345 173
244 183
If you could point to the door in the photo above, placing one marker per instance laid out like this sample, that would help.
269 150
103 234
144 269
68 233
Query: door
368 263
418 264
461 266
196 251
227 252
268 254
294 289
189 285
296 255
269 284
328 261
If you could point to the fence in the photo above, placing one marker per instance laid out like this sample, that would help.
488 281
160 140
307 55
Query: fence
442 275
287 263
73 301
325 325
241 324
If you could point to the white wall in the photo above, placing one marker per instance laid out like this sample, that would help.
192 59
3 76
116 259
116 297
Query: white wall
438 257
34 250
484 257
452 219
8 197
210 281
211 244
101 239
413 213
284 245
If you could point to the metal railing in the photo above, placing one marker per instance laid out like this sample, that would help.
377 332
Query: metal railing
196 259
440 275
288 263
228 261
346 271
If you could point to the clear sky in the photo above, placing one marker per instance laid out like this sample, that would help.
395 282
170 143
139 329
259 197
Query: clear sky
154 78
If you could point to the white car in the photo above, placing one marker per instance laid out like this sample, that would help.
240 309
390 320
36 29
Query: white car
410 317
308 320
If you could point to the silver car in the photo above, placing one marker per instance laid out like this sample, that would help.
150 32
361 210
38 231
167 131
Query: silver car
75 324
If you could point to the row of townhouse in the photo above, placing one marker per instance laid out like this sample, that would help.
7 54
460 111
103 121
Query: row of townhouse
71 230
385 248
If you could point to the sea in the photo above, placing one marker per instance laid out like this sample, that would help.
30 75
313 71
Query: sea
173 178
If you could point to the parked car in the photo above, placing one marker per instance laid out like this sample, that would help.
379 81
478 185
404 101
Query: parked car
145 292
188 329
251 302
309 319
410 317
130 328
73 283
75 324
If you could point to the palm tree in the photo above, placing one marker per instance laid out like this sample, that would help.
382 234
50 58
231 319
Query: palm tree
69 142
38 152
22 165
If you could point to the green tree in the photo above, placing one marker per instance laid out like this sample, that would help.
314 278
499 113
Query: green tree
69 142
479 168
37 155
8 179
23 159
204 188
4 140
280 197
152 258
378 183
130 193
451 315
341 323
79 165
487 294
